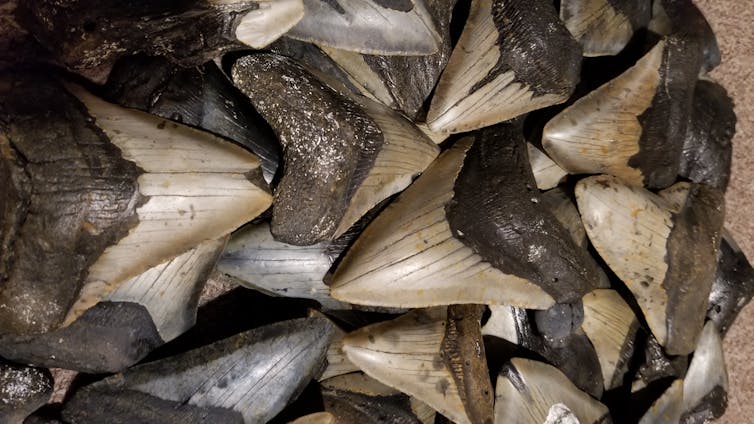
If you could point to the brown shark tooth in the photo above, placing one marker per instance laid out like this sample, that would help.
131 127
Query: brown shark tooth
526 391
666 257
604 27
435 355
514 56
400 27
22 391
733 287
469 230
316 418
705 387
546 172
341 159
682 17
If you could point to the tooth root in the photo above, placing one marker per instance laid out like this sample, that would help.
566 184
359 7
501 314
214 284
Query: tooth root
667 408
273 18
24 390
604 27
705 387
315 418
546 172
733 287
526 391
493 75
682 17
405 27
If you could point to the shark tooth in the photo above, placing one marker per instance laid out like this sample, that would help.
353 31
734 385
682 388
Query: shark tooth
546 172
315 418
733 287
565 211
496 73
604 27
561 414
337 360
402 27
270 21
22 391
255 373
526 390
341 159
657 366
667 408
705 387
435 355
684 18
200 97
611 326
469 230
667 258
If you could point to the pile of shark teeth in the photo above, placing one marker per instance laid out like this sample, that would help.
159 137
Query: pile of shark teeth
485 211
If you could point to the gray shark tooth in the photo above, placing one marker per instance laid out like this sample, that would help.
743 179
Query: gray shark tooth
633 126
657 366
565 211
604 27
667 408
22 391
469 230
667 257
526 391
435 355
682 17
200 97
402 27
89 36
341 158
316 418
496 73
705 387
356 397
401 82
611 326
707 149
255 373
546 172
733 287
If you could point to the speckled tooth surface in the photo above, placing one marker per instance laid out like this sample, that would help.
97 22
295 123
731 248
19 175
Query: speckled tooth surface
22 391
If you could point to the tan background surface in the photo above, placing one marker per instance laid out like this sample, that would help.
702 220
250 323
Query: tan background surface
733 22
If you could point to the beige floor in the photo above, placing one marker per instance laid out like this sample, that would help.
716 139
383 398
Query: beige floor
733 22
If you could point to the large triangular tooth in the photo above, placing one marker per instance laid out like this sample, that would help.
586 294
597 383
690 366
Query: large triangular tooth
705 387
315 418
494 75
667 408
527 389
435 355
195 186
604 27
368 26
611 326
23 390
546 172
734 284
268 22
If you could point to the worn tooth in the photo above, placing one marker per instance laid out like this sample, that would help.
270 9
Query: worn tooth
733 287
315 418
565 211
684 18
667 408
435 355
201 97
22 391
358 398
546 172
604 27
707 149
666 257
469 230
260 27
705 387
255 373
611 326
514 56
526 391
402 27
341 158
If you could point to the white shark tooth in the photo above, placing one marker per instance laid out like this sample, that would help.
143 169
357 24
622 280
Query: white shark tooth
495 74
272 18
404 27
667 258
705 387
604 27
667 408
733 287
611 326
546 172
435 355
315 418
507 323
527 389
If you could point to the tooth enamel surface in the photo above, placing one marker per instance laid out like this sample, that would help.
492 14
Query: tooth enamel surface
676 195
270 21
337 361
667 408
502 323
705 387
547 173
361 74
597 25
562 207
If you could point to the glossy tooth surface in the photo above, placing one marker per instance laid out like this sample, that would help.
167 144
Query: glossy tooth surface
666 257
733 287
316 418
435 355
22 391
546 172
526 391
657 366
705 387
667 408
604 27
402 27
495 73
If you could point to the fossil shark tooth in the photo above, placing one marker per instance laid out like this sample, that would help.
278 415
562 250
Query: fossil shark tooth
526 390
255 373
604 27
667 408
337 360
733 287
341 158
611 326
707 149
705 387
514 56
469 230
565 211
201 97
657 366
356 397
435 355
684 18
546 172
666 257
401 27
316 418
89 36
22 391
561 414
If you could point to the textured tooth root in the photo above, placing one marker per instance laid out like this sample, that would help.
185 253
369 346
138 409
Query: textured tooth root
526 390
607 129
705 387
546 172
667 408
269 22
600 28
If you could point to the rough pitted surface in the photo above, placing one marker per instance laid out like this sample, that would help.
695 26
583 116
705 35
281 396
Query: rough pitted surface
69 195
22 391
733 287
